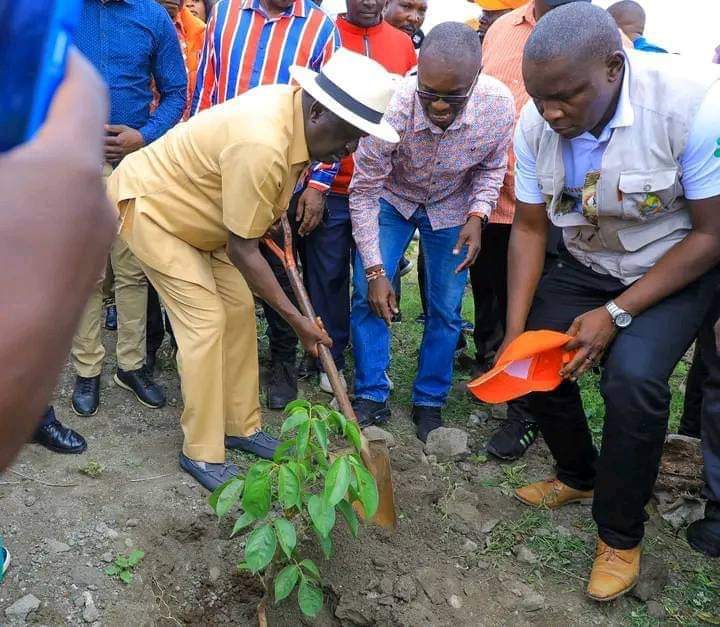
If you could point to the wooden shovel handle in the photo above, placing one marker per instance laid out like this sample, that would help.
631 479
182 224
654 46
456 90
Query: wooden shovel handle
286 255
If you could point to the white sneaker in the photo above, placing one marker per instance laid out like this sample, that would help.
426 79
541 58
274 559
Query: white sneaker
325 383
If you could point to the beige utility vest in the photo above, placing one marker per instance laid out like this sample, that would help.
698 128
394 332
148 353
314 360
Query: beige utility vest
641 210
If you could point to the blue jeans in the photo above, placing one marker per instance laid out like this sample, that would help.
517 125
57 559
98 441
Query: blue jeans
371 336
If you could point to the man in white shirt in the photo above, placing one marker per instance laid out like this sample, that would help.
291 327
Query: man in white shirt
620 151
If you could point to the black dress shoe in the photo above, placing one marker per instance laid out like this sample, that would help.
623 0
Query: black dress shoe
55 437
282 385
369 412
426 419
704 535
86 396
141 384
111 318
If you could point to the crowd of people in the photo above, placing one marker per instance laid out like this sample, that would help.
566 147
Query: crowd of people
546 152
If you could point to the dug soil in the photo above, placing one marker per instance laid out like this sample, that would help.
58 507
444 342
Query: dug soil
465 553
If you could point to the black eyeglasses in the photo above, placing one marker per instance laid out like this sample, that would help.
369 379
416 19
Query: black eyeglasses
431 96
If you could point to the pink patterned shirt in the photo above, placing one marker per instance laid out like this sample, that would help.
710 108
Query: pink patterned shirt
451 173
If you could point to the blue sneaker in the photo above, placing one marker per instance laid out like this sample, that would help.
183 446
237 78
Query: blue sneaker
260 444
4 562
208 475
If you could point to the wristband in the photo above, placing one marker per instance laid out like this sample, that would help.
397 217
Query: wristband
484 219
374 274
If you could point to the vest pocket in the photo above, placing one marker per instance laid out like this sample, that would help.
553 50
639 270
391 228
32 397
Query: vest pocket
648 193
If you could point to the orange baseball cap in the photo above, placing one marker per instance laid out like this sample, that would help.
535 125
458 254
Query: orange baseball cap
530 363
499 5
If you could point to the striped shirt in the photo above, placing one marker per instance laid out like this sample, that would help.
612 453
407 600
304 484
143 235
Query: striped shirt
244 48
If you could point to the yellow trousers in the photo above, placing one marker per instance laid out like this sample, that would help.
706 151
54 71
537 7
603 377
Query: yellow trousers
217 351
88 351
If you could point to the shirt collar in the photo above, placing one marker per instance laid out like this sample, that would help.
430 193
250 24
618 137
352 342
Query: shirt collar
296 10
298 152
525 14
624 114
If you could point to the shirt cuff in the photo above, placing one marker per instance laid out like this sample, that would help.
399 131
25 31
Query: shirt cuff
371 257
480 208
318 185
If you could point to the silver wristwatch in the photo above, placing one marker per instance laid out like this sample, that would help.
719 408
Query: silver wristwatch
620 317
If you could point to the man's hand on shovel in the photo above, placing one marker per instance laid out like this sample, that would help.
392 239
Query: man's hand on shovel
311 335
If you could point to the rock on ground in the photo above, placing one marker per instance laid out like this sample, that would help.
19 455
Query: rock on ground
447 444
22 607
654 577
90 613
525 555
350 610
376 433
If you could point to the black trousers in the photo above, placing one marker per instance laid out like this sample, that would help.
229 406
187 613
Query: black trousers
157 324
710 405
282 337
692 408
488 278
634 386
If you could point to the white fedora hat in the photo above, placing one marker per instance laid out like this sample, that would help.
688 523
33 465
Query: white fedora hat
355 88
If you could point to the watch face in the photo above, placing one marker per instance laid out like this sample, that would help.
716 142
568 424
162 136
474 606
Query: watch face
623 320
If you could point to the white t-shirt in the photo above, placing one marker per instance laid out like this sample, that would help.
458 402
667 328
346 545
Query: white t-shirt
700 162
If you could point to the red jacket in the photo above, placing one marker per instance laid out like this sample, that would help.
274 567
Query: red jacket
387 45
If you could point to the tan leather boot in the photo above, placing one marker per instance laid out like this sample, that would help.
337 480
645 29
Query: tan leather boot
615 572
552 493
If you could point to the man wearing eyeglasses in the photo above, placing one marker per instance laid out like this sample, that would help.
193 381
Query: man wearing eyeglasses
443 179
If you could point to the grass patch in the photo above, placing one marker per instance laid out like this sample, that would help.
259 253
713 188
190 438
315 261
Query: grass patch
509 533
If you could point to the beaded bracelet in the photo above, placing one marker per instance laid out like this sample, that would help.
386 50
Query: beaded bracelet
375 274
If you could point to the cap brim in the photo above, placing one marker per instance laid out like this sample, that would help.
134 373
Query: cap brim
306 80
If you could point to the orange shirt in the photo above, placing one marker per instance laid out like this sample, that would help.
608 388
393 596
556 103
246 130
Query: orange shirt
191 33
502 58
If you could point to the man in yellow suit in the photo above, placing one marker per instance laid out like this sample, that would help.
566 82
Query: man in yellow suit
194 206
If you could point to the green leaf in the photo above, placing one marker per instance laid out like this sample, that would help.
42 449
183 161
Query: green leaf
257 495
321 412
352 433
346 509
310 598
295 420
339 421
285 582
301 403
337 481
321 433
229 497
126 577
241 523
288 488
135 557
367 490
299 470
112 570
122 561
322 514
282 452
260 548
303 437
309 566
286 535
216 493
325 544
